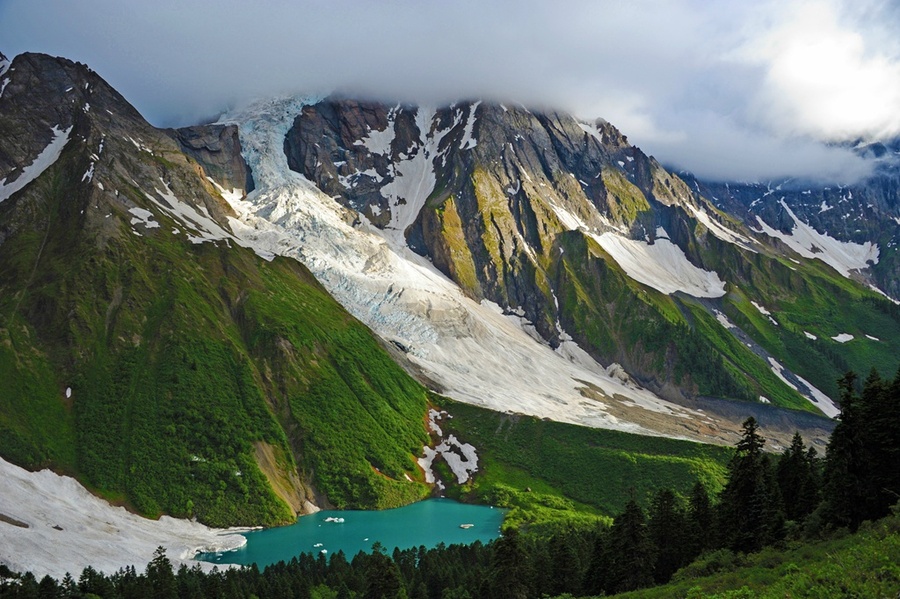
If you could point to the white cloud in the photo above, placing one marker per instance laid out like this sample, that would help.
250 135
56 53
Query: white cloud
727 88
825 77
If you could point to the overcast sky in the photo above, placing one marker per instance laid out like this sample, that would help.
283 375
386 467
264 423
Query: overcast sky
748 90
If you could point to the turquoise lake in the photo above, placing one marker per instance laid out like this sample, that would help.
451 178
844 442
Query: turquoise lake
425 523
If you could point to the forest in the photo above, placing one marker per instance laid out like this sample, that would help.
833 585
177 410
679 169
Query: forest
821 524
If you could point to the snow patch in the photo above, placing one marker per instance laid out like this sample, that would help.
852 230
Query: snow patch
662 266
810 335
809 243
843 337
468 142
762 310
872 338
69 529
44 160
143 217
722 232
88 174
814 395
723 320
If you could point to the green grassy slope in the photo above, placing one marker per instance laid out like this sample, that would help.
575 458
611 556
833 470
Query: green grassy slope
182 359
571 468
864 564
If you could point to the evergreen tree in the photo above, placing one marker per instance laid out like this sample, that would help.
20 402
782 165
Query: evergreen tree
880 411
48 589
160 576
748 508
666 526
700 529
382 576
509 568
565 568
631 558
846 465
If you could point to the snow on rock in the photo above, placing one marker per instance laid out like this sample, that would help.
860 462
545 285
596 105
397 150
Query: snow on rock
723 320
414 178
474 352
843 337
143 217
843 256
721 231
88 174
468 142
816 397
661 265
3 85
63 528
42 162
231 196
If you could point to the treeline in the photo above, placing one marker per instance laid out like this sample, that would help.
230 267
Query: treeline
767 500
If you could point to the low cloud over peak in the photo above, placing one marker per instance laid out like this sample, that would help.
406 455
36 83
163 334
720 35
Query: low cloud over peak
735 90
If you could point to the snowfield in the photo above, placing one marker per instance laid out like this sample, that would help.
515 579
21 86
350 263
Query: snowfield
661 265
843 256
60 527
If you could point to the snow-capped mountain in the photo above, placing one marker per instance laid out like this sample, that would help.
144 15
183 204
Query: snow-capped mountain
613 265
155 281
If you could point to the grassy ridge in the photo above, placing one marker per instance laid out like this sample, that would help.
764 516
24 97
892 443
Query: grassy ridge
572 468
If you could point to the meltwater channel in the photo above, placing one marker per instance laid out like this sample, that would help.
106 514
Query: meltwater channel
427 523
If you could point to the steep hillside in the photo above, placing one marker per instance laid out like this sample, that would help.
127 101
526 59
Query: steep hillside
584 238
146 350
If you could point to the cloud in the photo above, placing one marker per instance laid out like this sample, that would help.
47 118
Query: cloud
826 75
727 88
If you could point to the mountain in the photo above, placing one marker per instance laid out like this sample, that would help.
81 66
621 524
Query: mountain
580 240
248 319
863 218
147 350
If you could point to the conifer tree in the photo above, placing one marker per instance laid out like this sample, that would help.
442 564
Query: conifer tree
509 567
748 509
797 480
666 525
700 529
631 553
846 465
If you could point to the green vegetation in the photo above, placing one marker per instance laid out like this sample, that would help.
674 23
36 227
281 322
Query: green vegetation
150 367
572 469
860 565
644 330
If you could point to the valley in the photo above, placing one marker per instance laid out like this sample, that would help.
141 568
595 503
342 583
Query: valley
232 324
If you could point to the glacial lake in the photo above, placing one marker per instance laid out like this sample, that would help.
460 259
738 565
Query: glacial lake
427 523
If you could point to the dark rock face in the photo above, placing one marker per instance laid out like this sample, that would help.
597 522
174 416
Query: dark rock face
504 184
218 149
